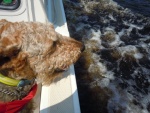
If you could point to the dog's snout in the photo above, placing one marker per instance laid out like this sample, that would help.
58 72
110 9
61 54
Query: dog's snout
83 48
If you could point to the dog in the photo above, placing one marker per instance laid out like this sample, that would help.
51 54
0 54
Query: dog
29 51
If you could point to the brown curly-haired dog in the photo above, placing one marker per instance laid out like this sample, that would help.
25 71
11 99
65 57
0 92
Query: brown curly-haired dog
30 50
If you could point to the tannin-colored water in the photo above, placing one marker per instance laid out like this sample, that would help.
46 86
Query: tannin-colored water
113 73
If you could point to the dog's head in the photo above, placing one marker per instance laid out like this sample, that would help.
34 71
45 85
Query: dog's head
35 50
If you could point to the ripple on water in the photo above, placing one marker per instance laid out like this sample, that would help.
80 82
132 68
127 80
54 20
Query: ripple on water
116 61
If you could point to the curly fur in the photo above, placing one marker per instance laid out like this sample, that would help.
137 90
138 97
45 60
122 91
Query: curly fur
34 50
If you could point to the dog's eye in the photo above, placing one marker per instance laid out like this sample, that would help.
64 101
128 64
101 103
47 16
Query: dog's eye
4 60
54 43
59 70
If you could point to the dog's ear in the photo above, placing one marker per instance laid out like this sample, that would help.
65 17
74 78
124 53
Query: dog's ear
10 40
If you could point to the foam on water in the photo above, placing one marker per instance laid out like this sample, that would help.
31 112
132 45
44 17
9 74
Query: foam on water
130 50
138 55
96 35
118 44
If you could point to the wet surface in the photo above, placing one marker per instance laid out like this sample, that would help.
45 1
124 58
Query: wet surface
137 6
113 74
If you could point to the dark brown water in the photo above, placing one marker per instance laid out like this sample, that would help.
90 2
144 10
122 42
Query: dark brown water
113 74
137 6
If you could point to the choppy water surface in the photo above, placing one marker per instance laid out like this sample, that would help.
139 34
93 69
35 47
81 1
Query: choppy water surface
137 6
113 74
